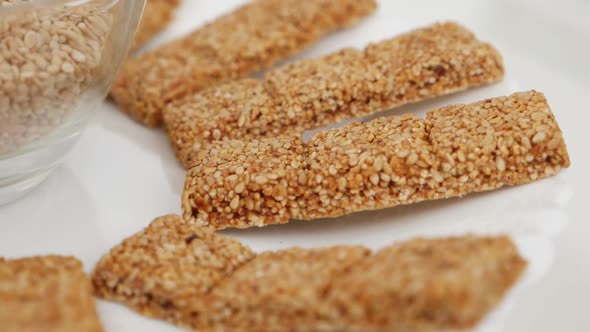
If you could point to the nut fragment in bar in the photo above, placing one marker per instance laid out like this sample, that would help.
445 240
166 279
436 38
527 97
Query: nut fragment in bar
433 61
382 163
250 38
49 293
417 285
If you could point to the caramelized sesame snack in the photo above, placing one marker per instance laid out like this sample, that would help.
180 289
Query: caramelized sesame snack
50 294
386 162
162 270
418 285
295 282
156 16
425 63
250 38
426 285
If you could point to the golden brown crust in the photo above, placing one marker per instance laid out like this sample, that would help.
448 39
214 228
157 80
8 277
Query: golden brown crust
250 38
418 285
382 163
281 291
425 63
426 285
49 293
156 16
162 269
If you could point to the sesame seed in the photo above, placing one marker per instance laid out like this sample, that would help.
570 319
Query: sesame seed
261 179
240 187
500 164
412 158
235 202
333 170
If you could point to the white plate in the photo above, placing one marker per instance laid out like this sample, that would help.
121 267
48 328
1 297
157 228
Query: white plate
122 175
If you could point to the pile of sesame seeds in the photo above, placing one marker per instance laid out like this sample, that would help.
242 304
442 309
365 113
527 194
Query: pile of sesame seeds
50 57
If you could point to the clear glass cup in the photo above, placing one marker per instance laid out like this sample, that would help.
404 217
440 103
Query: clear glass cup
58 59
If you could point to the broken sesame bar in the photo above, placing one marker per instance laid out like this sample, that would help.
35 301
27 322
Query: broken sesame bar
250 38
421 64
49 293
382 163
165 269
418 285
156 16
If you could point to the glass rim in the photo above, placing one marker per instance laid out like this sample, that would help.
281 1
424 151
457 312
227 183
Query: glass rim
48 3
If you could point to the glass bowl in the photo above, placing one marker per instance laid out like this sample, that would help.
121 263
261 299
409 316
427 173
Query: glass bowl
58 59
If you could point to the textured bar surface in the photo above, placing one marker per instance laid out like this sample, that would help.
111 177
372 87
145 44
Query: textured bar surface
426 285
50 294
247 183
166 267
386 162
281 291
418 285
250 38
430 62
156 17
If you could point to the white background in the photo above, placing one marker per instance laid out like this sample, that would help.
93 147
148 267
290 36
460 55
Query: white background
122 175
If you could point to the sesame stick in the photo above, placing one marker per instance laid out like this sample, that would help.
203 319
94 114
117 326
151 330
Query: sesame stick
250 38
416 285
439 284
382 163
166 267
49 293
421 64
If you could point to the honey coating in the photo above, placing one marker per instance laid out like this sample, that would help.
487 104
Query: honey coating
250 38
382 163
49 293
433 61
417 285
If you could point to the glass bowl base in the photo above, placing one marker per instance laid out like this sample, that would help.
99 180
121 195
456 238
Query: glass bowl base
12 189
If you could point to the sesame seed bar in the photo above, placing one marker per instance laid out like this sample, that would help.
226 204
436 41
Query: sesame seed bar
156 16
421 64
280 291
240 183
250 38
426 285
418 285
50 294
166 267
382 163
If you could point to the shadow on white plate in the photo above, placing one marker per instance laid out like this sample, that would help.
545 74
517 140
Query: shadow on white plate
27 224
152 140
